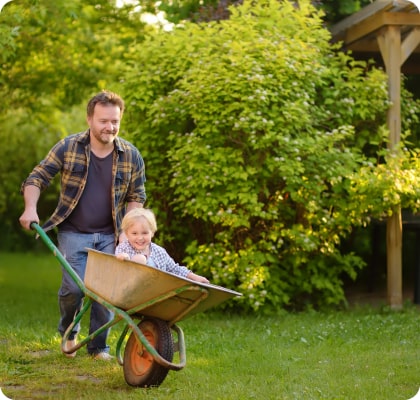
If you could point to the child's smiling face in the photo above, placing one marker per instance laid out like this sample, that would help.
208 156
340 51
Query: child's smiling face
139 234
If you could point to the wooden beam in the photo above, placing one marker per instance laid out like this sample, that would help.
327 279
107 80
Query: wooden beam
400 18
384 49
410 43
339 28
367 27
394 264
369 44
389 41
378 21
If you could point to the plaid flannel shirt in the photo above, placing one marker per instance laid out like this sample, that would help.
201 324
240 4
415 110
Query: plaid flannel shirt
158 258
70 157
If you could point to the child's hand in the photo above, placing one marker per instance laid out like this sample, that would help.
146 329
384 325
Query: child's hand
140 258
123 256
197 278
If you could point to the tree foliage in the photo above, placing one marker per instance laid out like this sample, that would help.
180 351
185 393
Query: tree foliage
216 10
62 51
253 129
54 55
336 10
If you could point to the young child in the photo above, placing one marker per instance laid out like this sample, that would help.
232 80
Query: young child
139 226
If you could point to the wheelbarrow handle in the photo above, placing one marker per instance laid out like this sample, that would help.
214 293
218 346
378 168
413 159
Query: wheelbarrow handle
58 255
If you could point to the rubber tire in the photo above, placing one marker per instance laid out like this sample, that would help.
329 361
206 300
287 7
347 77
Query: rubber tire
140 369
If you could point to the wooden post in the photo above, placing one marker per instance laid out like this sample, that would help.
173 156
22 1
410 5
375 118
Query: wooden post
390 45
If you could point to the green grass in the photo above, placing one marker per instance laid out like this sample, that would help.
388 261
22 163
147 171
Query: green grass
360 354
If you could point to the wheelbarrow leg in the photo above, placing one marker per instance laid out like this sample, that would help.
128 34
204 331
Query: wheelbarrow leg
120 343
69 330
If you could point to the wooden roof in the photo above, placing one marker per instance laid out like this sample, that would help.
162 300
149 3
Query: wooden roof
359 32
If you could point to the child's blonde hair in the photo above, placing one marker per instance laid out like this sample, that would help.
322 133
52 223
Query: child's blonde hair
135 214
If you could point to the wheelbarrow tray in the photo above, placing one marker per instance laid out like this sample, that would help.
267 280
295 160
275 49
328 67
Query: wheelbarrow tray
128 285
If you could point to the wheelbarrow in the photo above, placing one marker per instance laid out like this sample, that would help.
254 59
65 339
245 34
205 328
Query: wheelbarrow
149 302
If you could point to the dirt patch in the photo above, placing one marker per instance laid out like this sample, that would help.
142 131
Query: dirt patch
40 353
88 378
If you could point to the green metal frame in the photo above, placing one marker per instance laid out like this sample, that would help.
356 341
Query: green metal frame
128 316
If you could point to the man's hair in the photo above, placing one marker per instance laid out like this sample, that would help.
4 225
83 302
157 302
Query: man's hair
105 98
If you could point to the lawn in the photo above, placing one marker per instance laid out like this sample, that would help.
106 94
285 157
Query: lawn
363 353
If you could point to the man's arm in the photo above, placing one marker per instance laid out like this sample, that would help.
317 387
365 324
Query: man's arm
133 204
31 195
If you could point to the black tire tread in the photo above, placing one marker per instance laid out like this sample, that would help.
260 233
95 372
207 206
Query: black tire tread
165 347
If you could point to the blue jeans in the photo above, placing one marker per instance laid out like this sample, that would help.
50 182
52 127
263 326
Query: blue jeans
70 298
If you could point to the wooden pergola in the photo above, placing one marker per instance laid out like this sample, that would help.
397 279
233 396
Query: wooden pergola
388 32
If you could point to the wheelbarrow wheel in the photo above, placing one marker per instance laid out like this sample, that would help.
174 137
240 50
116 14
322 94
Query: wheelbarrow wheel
140 368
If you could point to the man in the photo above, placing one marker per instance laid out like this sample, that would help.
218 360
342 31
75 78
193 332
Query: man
102 177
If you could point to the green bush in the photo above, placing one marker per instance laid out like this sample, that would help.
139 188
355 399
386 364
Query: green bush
252 130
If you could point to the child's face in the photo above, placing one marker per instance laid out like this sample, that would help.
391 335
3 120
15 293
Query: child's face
139 234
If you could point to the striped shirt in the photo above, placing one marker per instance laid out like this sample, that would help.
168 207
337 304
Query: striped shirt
159 258
70 157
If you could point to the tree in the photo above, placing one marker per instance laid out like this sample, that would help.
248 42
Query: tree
54 56
336 10
253 129
216 10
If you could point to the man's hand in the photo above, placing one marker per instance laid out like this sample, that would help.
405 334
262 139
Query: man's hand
29 215
30 196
